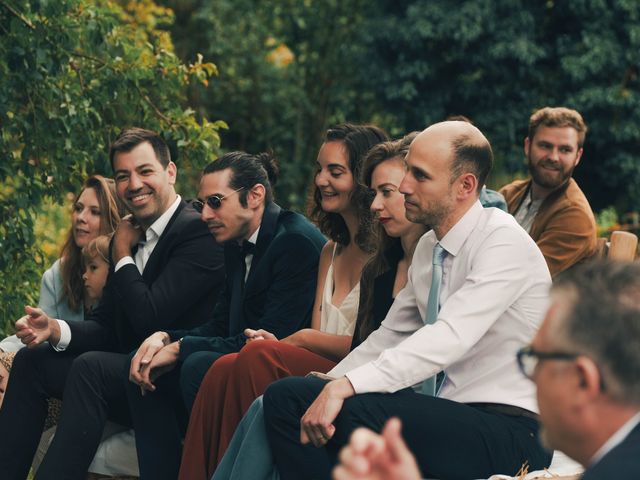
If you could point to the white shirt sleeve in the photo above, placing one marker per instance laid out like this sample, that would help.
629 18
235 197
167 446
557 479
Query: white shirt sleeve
124 261
65 336
487 284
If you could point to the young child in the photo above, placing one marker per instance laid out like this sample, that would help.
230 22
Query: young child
95 258
96 267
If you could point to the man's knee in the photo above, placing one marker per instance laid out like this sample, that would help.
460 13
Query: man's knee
87 363
192 372
291 395
30 359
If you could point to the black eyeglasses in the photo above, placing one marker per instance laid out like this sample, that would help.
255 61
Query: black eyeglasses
528 359
214 201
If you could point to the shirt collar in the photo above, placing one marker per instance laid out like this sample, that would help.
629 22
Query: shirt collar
157 228
615 439
454 239
254 237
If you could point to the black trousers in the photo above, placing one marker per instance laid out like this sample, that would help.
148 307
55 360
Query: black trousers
92 388
160 418
450 440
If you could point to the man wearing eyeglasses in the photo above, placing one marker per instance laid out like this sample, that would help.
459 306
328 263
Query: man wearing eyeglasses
166 272
271 260
585 363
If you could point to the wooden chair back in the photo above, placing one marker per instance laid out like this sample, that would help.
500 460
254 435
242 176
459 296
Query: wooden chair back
602 246
622 246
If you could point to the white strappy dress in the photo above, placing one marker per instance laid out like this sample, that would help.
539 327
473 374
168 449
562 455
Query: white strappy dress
338 320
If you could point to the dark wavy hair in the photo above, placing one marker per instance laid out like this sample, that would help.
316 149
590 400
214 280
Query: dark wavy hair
357 140
248 170
388 249
130 138
71 255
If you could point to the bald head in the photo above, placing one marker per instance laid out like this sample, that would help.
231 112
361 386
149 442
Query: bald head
467 148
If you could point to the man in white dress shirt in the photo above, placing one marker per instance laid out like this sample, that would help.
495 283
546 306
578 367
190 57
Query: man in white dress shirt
493 293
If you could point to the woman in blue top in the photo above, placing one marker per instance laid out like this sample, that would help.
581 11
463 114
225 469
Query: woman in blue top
62 293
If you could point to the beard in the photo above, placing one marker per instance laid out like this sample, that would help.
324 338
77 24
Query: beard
432 215
546 178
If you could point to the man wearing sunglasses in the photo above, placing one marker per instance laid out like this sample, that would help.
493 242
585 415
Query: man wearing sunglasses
271 260
585 362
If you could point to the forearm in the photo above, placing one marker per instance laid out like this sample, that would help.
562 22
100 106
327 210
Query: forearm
333 347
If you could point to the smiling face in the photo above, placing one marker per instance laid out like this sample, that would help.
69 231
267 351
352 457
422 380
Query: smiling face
143 184
388 203
334 179
552 155
86 217
231 221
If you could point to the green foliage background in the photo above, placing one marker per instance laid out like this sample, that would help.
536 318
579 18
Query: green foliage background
73 73
279 72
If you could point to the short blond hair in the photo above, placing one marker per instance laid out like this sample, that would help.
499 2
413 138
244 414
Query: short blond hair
98 247
558 117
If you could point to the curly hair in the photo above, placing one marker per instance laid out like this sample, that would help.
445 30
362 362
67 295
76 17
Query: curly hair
357 140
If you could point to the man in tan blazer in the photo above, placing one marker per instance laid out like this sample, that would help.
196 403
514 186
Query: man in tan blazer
550 205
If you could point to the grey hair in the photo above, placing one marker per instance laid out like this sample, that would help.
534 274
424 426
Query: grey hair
603 322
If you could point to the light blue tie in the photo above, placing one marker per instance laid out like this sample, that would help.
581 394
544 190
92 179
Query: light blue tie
433 305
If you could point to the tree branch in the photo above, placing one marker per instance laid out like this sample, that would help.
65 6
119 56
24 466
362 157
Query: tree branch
18 15
153 106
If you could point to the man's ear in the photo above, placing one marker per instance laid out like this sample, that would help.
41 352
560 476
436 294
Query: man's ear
589 377
527 146
578 157
172 172
256 195
468 185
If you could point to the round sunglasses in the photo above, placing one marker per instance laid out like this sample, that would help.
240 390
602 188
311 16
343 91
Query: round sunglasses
214 201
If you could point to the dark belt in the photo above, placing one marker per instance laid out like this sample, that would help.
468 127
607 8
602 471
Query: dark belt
510 410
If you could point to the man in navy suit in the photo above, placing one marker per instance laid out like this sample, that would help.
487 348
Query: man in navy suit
585 362
166 272
271 259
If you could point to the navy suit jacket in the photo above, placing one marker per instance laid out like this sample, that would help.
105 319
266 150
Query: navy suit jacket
178 289
623 462
279 293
